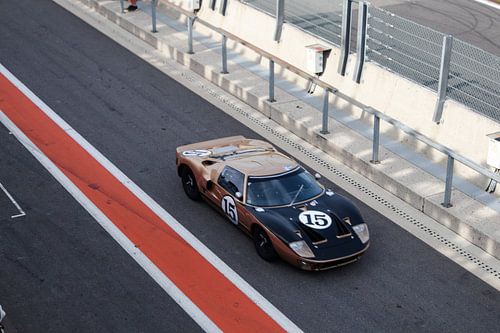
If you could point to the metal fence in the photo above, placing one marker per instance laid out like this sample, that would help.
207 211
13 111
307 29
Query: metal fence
407 48
320 18
414 51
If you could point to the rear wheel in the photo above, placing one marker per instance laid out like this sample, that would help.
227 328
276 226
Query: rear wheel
189 184
263 245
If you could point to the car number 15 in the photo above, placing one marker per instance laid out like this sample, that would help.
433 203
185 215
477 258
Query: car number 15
229 207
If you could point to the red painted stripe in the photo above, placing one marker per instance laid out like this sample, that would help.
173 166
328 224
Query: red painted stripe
226 305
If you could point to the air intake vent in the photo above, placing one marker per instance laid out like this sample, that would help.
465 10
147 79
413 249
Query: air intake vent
342 230
315 237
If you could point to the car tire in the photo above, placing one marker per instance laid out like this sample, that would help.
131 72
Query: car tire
263 245
189 184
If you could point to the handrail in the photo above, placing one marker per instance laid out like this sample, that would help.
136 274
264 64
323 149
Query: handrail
452 155
439 147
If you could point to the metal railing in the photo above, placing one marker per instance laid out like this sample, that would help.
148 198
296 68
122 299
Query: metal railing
377 115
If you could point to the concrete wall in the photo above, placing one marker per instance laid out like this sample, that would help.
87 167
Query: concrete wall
462 130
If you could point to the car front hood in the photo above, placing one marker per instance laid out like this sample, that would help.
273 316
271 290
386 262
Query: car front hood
325 223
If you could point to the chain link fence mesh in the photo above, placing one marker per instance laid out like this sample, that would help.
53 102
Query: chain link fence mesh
320 18
407 48
414 51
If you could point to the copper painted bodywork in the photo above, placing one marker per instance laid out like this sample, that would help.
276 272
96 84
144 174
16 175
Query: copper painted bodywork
251 158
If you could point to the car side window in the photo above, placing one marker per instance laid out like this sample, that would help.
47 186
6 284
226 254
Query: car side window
231 180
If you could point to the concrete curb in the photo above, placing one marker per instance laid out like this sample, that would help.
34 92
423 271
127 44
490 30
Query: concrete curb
473 221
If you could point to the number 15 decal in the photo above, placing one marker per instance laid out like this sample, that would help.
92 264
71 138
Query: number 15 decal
315 219
229 207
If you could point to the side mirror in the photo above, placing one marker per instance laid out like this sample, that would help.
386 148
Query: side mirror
210 185
317 176
238 195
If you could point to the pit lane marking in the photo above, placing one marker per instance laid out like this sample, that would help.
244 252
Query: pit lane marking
14 202
192 275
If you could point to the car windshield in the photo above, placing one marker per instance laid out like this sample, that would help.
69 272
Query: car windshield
281 190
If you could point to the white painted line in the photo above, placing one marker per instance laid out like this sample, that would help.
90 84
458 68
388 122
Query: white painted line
14 202
160 278
222 267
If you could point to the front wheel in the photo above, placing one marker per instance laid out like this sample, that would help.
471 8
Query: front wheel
189 185
263 245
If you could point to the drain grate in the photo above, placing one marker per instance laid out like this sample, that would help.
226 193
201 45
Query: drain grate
481 264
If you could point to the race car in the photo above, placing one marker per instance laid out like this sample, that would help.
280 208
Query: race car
276 201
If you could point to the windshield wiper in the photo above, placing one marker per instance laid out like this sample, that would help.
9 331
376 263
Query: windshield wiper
296 195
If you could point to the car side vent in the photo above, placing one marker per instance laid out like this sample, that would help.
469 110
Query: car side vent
209 162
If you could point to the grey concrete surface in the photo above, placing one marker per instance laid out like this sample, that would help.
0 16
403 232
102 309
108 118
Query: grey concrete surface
136 117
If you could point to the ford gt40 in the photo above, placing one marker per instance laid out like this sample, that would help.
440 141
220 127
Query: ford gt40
276 201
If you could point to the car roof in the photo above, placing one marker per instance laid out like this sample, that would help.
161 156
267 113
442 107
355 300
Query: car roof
260 164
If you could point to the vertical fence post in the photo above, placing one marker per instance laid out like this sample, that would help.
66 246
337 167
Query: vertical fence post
324 126
222 8
154 3
361 46
224 55
443 77
190 22
376 139
449 182
271 81
122 6
345 38
211 4
280 18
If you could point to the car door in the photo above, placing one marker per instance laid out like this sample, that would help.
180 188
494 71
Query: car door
229 183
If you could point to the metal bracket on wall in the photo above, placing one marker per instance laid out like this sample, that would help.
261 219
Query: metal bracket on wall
280 18
443 78
345 38
223 7
361 45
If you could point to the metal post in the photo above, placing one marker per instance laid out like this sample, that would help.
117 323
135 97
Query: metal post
190 22
154 3
449 181
361 46
345 39
211 4
122 6
324 126
224 55
280 18
443 77
271 82
376 139
222 8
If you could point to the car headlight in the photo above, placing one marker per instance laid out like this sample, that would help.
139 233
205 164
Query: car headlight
302 249
362 231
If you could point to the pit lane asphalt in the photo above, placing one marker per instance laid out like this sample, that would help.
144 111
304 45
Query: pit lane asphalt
59 268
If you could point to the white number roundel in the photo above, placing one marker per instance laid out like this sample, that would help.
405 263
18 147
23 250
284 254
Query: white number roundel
196 152
229 207
315 219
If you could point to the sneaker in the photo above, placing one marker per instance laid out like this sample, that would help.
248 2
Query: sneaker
131 8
